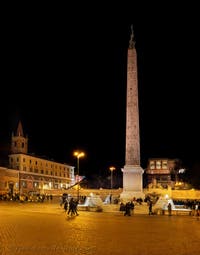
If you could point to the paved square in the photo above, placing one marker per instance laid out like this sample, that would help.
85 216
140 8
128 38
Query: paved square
44 229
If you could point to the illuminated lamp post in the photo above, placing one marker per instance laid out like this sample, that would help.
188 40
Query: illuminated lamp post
112 168
78 155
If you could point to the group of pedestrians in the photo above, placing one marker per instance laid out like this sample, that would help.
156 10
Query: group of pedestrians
128 208
69 205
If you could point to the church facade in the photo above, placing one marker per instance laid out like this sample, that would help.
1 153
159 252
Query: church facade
27 173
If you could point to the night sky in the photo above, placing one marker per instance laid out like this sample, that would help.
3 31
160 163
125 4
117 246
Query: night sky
63 74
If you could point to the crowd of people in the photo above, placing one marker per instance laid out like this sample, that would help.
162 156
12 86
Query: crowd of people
29 197
69 204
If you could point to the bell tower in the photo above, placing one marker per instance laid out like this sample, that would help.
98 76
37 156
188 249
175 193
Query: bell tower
19 143
132 171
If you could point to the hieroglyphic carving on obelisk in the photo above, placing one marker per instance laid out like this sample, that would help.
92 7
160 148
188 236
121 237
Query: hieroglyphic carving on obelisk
132 171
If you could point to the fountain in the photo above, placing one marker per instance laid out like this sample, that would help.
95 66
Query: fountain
92 202
162 205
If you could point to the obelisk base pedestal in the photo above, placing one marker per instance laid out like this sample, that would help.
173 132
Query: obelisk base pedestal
132 183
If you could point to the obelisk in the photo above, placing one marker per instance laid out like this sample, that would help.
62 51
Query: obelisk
132 171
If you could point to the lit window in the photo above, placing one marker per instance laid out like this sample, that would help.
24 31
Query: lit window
158 165
164 164
152 165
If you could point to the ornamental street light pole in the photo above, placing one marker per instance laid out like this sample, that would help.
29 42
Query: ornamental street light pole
112 168
78 154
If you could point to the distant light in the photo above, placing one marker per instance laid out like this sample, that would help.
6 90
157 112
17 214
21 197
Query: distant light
79 154
112 168
181 171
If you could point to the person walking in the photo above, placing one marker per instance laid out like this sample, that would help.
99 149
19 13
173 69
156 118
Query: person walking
73 207
66 205
169 209
127 209
150 207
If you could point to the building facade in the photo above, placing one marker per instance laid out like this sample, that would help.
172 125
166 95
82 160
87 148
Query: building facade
28 173
9 181
159 172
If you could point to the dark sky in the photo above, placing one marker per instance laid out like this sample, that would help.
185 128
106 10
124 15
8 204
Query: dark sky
63 74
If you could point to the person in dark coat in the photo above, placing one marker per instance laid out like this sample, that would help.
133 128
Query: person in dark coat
169 209
150 207
128 209
66 205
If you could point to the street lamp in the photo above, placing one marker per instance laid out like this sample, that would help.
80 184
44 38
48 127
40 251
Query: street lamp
78 155
112 168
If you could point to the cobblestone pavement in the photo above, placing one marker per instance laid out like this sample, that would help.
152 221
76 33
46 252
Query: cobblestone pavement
44 229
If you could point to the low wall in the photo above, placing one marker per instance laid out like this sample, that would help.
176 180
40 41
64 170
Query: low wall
174 194
186 194
86 192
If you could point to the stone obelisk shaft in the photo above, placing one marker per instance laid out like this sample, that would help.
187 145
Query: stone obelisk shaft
132 171
132 111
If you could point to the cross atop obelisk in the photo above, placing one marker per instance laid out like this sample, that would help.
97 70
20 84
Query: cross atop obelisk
131 41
